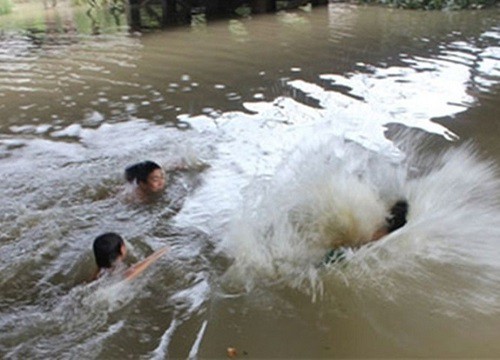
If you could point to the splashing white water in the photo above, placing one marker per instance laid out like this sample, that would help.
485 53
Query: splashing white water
340 193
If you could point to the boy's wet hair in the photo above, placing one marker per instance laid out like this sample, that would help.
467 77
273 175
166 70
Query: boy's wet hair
139 172
399 211
107 248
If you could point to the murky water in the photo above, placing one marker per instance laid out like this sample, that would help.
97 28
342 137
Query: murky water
295 128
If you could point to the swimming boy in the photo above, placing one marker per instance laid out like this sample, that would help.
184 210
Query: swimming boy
149 177
110 250
396 220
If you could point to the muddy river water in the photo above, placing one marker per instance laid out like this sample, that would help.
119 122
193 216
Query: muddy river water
290 126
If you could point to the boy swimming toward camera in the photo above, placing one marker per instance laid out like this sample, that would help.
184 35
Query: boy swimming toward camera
110 250
148 176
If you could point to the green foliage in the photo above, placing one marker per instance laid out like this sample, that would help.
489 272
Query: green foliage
94 3
436 4
5 7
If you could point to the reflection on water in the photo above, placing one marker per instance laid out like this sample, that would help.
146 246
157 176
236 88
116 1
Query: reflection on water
288 124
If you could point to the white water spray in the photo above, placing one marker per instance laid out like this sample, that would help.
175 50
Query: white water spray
339 193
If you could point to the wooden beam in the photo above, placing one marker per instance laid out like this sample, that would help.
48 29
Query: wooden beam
135 14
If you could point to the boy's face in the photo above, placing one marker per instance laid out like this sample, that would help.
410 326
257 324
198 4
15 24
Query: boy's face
123 250
156 181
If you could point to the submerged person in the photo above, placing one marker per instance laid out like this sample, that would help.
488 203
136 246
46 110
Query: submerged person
149 178
396 220
110 251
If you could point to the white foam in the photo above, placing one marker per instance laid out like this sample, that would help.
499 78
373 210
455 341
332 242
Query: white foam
193 353
161 351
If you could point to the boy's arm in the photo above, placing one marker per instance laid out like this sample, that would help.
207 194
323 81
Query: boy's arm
380 233
139 267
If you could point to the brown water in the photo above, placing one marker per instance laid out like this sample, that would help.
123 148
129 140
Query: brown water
257 109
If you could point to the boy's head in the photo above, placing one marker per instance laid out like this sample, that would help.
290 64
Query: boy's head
148 175
108 248
399 212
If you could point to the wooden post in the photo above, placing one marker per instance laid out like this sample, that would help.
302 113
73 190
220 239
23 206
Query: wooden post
319 2
271 6
215 8
169 8
261 6
135 14
187 11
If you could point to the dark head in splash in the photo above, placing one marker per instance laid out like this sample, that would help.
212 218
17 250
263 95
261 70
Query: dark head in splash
397 219
148 175
108 248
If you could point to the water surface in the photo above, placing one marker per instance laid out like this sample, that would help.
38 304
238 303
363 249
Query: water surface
286 123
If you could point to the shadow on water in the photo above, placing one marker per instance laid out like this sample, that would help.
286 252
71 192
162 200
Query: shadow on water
153 14
61 18
161 13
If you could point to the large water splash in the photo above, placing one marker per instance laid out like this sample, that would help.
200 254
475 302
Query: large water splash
339 193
